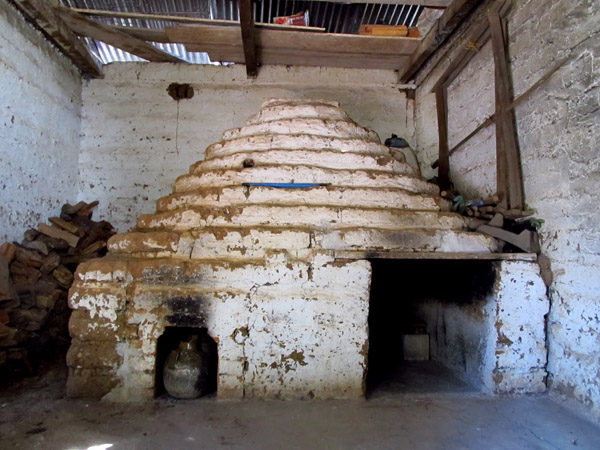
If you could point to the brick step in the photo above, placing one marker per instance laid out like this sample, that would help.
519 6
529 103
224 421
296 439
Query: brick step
319 217
295 142
324 159
324 195
311 127
305 111
303 174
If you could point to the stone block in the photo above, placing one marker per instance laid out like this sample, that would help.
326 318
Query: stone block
28 319
85 328
143 242
104 302
90 383
93 355
102 270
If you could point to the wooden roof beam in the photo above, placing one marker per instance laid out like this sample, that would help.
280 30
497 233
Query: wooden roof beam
248 37
456 12
44 16
426 3
100 32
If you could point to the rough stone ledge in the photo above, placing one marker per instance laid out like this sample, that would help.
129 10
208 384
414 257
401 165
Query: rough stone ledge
323 218
325 159
304 174
143 242
85 328
299 126
335 196
301 142
90 383
304 110
93 355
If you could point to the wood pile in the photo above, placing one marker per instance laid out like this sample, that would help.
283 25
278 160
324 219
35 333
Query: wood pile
516 227
35 277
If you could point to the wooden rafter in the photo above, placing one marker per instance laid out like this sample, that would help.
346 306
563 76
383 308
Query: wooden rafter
187 20
90 28
456 12
291 47
44 16
441 103
248 37
426 3
508 160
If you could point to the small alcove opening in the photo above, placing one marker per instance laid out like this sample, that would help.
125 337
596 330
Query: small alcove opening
427 327
170 340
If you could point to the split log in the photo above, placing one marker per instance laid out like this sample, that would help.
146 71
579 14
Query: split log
38 246
57 233
50 262
30 258
67 226
63 275
8 250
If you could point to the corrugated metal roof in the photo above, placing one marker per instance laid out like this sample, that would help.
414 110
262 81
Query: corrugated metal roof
334 17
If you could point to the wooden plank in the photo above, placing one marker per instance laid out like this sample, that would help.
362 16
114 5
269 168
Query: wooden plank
46 19
87 27
426 3
508 160
454 14
188 20
248 37
478 36
460 60
5 286
352 254
54 232
383 30
293 40
304 58
67 226
443 157
146 34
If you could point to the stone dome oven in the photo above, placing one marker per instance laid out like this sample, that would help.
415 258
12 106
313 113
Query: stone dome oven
248 246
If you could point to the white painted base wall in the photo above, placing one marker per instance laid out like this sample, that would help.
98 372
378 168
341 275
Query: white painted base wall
40 102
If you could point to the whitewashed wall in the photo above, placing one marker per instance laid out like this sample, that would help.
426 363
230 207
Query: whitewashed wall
558 138
136 139
40 101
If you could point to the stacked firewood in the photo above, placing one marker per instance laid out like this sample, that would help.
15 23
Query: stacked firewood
484 209
35 277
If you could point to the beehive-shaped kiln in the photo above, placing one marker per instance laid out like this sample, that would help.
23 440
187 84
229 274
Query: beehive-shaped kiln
246 247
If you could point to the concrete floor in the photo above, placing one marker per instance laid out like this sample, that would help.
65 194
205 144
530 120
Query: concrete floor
35 415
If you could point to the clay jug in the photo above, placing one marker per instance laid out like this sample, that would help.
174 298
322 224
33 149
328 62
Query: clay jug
186 371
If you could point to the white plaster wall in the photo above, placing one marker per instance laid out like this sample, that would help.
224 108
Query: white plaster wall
40 100
558 138
136 140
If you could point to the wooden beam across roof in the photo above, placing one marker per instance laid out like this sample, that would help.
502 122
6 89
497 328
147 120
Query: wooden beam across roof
44 16
248 37
456 12
426 3
100 32
187 20
291 47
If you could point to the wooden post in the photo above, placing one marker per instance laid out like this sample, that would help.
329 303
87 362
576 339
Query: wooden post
248 37
509 177
444 156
